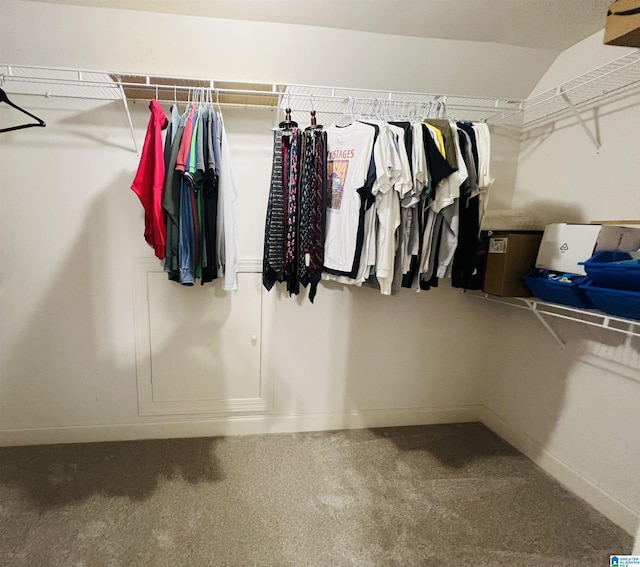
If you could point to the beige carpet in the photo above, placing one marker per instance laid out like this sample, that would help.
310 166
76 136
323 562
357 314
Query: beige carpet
424 496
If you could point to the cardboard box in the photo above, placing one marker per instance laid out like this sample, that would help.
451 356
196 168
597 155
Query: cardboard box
510 257
564 245
618 239
623 23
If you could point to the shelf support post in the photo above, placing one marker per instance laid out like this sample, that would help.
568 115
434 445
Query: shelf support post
579 118
534 309
126 109
277 117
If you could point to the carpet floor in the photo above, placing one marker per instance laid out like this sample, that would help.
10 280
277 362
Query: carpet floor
406 496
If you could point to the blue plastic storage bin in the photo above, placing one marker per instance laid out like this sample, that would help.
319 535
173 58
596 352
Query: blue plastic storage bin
603 271
619 302
555 291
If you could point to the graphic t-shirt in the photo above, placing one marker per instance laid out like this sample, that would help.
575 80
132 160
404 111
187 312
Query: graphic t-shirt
349 150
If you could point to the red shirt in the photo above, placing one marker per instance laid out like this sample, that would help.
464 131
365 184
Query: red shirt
185 145
149 180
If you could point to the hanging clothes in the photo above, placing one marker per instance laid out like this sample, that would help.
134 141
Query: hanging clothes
227 239
171 193
291 157
389 213
273 255
281 262
149 180
351 194
294 234
197 195
313 196
209 190
465 258
423 227
402 204
484 159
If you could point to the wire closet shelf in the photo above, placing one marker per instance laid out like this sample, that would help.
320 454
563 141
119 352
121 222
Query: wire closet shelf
101 85
541 309
619 76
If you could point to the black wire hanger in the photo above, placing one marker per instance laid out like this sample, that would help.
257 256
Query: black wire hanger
39 122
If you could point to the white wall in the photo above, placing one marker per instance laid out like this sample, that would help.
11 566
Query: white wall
71 233
575 411
141 42
71 227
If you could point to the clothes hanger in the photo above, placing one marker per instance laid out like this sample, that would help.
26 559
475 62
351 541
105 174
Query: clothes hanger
378 109
427 110
375 109
436 111
445 110
386 111
314 123
348 116
413 115
218 103
39 124
288 124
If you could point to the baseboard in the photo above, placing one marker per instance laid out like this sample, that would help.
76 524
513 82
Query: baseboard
239 425
574 480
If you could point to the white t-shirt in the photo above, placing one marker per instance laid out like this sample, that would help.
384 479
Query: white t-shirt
387 165
387 160
403 182
420 171
483 141
388 210
227 198
349 150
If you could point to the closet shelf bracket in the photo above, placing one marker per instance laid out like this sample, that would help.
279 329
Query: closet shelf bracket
126 109
593 137
543 309
534 309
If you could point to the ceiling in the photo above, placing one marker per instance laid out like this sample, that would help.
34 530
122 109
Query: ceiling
543 24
